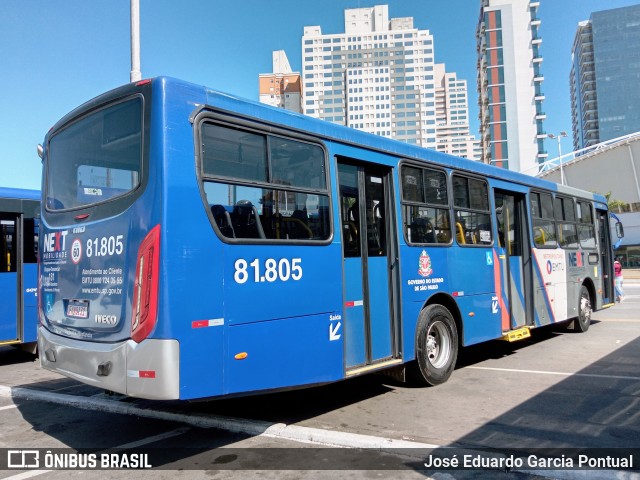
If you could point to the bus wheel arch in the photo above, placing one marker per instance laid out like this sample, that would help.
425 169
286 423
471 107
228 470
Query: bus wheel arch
450 304
436 342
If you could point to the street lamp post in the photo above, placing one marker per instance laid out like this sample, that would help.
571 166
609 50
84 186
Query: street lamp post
558 137
135 74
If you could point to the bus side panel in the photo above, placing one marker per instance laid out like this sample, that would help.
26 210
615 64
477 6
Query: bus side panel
192 292
30 299
194 302
424 271
282 353
270 282
551 265
577 272
473 284
8 306
481 316
543 292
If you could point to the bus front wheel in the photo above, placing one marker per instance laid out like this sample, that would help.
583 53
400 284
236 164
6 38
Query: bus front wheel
436 346
583 320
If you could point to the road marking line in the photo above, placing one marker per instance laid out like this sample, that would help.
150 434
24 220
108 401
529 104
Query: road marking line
7 407
155 438
624 320
564 374
68 387
24 475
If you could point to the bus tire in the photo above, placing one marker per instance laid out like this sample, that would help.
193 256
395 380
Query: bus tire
583 320
436 346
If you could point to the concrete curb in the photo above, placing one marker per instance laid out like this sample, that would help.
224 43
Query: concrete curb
325 438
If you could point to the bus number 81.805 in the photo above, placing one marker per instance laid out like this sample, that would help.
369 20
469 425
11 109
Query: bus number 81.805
272 270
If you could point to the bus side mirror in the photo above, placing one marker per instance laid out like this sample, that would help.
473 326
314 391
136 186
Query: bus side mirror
40 151
619 230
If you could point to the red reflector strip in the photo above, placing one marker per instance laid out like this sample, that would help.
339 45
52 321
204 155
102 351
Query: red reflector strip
141 373
354 303
213 322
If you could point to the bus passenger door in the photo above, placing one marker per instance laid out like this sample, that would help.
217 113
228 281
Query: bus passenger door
604 232
368 236
8 278
514 255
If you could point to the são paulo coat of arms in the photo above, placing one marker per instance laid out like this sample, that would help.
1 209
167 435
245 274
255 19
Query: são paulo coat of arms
425 265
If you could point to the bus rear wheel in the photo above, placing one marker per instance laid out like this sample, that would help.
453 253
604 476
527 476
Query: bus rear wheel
583 320
436 346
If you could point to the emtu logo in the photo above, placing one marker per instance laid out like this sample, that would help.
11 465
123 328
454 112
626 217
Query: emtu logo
55 242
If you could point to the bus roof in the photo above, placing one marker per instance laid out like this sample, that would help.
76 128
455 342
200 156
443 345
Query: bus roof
204 97
19 193
343 134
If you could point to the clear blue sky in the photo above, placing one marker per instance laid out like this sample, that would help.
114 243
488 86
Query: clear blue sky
56 54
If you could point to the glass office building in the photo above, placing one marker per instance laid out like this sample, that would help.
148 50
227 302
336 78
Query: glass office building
605 98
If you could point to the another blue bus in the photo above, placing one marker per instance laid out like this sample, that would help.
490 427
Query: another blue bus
198 245
19 220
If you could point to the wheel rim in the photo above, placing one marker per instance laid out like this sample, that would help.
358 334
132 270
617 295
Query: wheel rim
438 344
585 309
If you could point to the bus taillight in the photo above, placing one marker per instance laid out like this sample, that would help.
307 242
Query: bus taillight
145 290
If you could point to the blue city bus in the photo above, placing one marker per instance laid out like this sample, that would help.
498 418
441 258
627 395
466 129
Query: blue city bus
19 221
198 245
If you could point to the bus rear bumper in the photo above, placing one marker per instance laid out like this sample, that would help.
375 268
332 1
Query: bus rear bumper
149 369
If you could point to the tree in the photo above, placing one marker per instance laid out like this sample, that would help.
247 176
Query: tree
616 205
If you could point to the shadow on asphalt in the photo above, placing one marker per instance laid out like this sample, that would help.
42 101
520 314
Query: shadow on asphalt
570 414
10 355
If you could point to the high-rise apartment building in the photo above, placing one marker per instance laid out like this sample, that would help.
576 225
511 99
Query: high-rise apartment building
452 115
604 78
509 85
380 76
282 88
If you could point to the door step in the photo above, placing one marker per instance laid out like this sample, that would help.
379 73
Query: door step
517 334
373 367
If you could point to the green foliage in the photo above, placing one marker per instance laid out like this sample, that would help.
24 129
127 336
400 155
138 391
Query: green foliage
616 205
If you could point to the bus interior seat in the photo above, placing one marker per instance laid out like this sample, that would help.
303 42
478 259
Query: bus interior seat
298 225
223 220
246 221
422 231
443 236
354 213
271 223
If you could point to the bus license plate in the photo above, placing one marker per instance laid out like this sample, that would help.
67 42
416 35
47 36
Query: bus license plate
78 310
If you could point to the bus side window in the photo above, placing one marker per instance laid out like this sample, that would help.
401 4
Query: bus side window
472 213
7 246
542 219
565 218
425 206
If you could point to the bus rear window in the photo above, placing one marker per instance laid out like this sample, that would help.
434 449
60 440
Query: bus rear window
96 158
